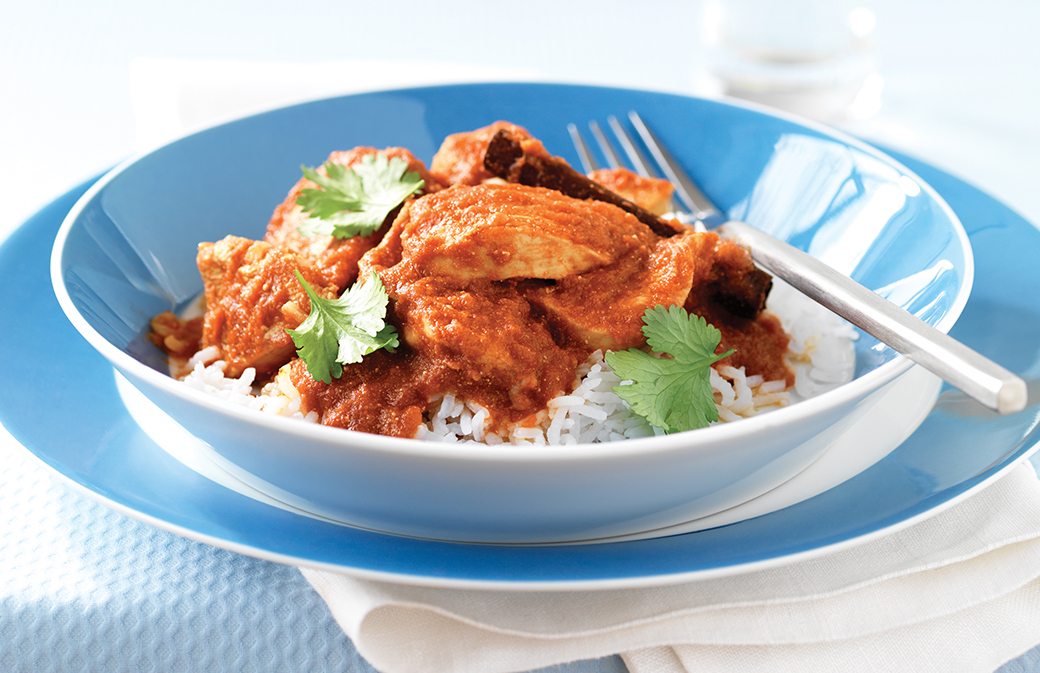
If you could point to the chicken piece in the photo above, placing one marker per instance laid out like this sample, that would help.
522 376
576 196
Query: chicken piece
488 335
335 258
604 309
507 157
499 232
744 293
652 194
460 159
252 297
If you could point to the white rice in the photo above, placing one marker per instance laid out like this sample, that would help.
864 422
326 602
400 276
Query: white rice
592 412
206 373
820 353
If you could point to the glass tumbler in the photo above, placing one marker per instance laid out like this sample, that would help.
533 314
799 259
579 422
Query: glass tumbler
812 57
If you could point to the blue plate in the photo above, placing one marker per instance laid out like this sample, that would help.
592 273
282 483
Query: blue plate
59 400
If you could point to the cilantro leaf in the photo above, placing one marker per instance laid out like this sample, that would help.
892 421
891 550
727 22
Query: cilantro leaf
341 331
673 393
355 201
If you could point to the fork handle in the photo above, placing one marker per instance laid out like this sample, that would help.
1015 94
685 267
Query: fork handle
974 374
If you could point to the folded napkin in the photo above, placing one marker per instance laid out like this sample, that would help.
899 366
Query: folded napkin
959 591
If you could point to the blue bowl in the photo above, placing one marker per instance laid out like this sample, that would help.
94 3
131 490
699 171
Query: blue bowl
127 250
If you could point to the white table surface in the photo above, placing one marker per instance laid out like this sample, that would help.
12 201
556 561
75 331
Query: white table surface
961 91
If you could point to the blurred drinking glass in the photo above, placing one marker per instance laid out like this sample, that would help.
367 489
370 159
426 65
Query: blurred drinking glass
811 57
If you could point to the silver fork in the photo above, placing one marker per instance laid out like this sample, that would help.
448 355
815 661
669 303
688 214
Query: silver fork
974 374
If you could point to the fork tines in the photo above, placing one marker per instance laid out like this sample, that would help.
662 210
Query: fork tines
688 197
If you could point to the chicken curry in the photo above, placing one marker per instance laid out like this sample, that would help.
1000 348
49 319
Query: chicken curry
503 273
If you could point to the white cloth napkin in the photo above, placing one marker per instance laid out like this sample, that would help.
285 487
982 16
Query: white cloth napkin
959 591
